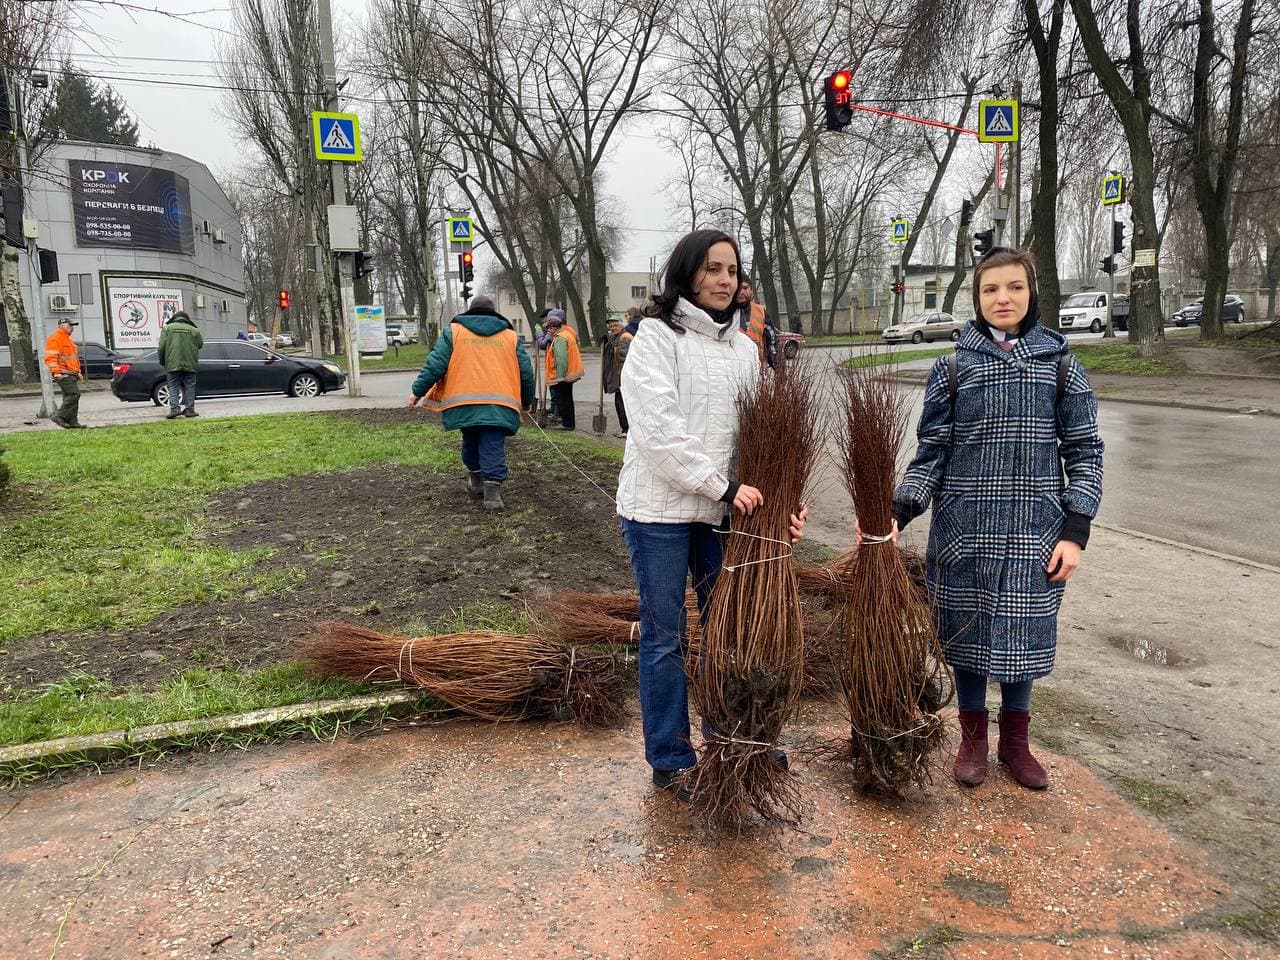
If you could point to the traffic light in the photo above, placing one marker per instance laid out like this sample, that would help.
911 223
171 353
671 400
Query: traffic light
1117 237
465 292
466 266
284 300
899 287
1107 265
363 265
838 100
983 242
966 212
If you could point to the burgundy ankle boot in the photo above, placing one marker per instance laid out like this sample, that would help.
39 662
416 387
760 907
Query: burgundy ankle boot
1015 752
971 758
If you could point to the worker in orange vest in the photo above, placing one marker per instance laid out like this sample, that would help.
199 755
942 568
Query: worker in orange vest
63 360
564 367
479 377
756 324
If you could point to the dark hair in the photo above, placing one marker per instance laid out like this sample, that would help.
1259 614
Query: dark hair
1006 257
688 257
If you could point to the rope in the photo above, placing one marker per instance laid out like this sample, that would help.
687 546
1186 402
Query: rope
754 536
872 538
635 630
608 496
568 679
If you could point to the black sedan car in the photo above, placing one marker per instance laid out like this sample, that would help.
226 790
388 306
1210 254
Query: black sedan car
229 368
95 360
1232 311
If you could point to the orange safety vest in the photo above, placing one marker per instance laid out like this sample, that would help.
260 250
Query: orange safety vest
60 354
755 327
481 370
574 369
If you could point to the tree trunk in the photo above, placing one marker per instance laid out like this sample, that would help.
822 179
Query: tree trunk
963 235
21 358
1044 201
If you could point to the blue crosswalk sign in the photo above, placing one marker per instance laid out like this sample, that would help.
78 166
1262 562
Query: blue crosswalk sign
998 121
336 136
461 230
901 230
1112 189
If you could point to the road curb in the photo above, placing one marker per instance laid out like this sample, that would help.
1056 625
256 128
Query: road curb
104 746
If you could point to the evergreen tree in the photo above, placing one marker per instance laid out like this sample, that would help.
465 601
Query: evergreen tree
83 110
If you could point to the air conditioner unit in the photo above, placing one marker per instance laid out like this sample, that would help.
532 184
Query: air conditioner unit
199 301
219 237
61 303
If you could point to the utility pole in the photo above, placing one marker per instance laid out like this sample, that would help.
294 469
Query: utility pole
1111 278
1016 180
338 178
38 333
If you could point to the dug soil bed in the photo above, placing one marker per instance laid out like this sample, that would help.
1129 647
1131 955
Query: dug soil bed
388 547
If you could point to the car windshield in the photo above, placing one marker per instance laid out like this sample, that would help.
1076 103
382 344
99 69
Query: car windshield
918 318
1081 300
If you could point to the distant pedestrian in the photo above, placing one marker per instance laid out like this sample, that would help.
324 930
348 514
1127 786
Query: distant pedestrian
1010 458
63 360
612 357
480 378
180 344
756 323
241 335
564 368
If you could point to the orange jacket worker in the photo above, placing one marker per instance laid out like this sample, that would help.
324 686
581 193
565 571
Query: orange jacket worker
63 360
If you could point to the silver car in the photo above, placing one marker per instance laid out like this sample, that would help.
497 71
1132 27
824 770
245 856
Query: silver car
925 326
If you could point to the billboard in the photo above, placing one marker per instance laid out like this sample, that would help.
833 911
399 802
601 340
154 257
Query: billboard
126 205
371 329
139 313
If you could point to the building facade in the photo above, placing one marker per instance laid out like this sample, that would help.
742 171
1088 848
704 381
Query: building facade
139 234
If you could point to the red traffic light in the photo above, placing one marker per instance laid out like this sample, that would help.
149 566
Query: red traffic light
840 80
284 299
466 257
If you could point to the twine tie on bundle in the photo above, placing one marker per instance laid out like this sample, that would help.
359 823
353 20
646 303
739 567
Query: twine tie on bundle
754 536
872 538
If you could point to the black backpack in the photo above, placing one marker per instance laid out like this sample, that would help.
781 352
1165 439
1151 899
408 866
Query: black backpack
953 378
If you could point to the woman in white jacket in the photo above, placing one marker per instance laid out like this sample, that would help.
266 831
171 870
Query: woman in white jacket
685 371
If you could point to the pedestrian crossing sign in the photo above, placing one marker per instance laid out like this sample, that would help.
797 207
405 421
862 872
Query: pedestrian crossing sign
901 230
998 121
336 136
1112 189
461 230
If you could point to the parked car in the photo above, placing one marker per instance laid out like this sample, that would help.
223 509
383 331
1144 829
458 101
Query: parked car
1232 311
229 368
790 344
95 360
1089 310
398 336
925 326
261 338
286 339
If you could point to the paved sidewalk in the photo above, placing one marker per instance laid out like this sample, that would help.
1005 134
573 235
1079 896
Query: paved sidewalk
481 841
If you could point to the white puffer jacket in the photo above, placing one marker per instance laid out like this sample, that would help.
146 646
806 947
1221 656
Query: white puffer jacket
681 392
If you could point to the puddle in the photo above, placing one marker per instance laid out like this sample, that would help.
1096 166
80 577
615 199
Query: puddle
1141 648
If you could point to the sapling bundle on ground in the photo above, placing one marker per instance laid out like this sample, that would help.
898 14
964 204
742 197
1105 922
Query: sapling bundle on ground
600 618
491 676
887 656
747 667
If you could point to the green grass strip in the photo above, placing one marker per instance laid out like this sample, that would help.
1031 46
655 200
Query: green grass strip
83 705
110 528
1123 358
893 357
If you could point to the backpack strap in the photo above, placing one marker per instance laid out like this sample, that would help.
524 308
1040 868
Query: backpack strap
953 377
1064 370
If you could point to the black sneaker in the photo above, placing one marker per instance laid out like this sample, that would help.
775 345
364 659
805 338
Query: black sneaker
60 422
671 780
190 413
173 415
780 758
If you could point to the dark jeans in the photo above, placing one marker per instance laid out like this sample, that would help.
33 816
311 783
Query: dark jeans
662 557
69 411
562 404
971 692
182 387
622 411
484 450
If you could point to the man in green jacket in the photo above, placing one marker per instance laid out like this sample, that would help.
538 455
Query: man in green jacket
480 379
180 344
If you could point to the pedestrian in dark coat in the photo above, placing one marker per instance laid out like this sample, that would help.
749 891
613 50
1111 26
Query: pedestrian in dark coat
179 354
1008 526
612 356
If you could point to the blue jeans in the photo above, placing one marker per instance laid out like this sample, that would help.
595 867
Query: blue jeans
971 692
663 555
182 389
484 451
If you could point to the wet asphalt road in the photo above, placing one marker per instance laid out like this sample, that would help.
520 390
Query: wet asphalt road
1195 477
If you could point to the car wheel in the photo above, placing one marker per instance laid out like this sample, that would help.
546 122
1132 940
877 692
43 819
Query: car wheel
917 337
160 394
1240 317
790 350
305 385
1096 326
955 335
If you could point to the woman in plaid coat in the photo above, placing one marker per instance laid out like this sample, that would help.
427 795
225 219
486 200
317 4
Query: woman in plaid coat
995 440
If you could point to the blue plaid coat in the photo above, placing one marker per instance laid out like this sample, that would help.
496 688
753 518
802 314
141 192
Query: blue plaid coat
993 470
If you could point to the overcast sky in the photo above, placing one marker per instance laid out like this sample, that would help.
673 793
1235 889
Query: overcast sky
144 55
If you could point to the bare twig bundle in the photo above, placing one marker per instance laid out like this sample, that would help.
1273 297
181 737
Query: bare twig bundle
887 658
491 676
825 580
746 672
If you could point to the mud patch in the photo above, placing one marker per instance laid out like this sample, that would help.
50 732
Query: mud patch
385 546
977 891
